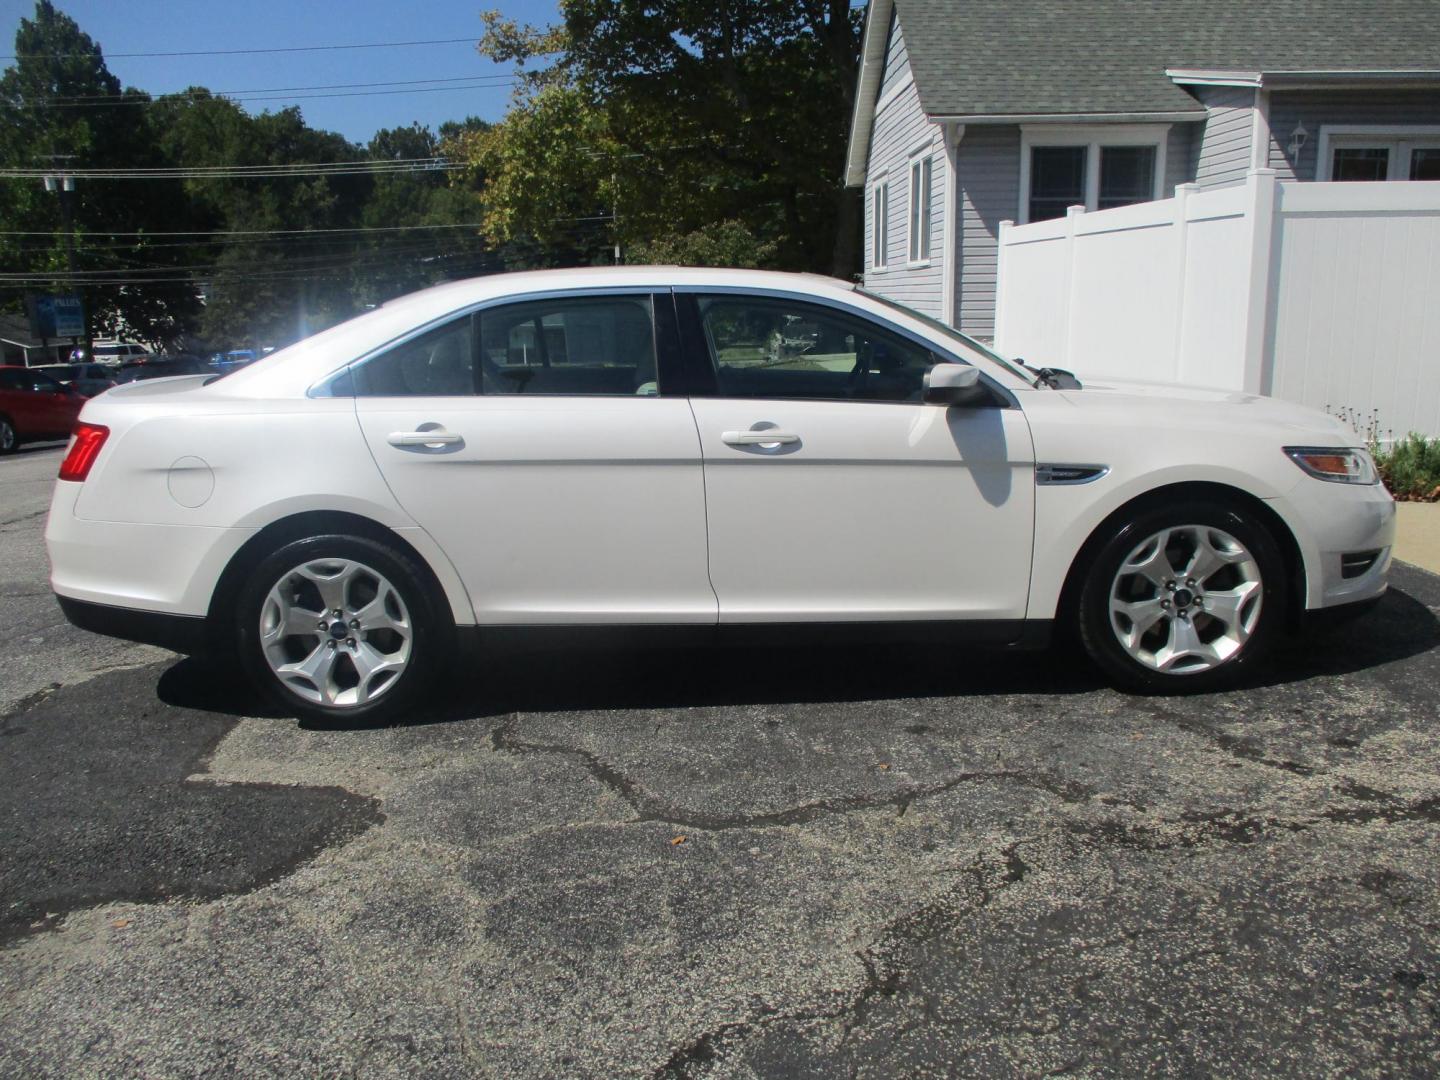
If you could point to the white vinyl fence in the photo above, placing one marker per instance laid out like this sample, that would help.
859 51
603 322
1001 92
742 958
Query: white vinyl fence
1324 294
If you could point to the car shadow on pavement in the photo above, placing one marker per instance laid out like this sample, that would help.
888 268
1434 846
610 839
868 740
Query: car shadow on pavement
593 672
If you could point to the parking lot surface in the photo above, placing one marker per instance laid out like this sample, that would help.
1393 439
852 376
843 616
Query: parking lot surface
685 862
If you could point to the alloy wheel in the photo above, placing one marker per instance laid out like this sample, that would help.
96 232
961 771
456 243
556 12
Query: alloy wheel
1186 599
336 632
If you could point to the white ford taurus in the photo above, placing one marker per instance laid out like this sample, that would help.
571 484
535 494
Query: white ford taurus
702 448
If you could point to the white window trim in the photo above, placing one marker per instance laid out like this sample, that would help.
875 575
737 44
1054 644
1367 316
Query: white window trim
1093 136
1389 135
924 159
880 224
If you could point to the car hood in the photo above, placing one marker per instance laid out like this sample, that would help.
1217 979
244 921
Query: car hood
1189 404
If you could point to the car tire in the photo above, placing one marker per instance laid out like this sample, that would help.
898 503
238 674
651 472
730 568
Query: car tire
1183 598
375 661
9 438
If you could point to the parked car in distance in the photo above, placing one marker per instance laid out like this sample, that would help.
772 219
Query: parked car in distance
86 379
113 353
162 367
235 358
34 407
647 446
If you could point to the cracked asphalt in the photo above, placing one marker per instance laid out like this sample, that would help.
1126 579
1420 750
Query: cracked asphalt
690 863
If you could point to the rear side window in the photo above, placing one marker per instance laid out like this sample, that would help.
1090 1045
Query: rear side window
439 363
578 346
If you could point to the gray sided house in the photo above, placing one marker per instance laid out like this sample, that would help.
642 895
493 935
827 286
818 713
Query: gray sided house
973 112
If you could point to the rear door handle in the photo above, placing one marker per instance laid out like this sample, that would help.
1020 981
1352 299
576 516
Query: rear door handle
758 438
422 438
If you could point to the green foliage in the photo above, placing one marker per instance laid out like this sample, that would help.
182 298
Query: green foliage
1411 468
57 61
223 291
726 243
669 120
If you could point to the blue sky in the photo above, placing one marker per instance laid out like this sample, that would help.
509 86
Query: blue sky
150 26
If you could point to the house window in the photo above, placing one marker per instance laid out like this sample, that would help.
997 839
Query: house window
1372 154
880 225
1094 168
1057 180
920 209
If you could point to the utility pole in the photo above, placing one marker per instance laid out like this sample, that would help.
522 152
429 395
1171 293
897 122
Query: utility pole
63 184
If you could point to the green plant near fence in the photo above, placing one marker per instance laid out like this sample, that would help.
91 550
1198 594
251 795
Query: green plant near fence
1410 468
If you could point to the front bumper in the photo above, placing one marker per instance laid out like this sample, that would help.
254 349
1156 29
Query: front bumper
1332 522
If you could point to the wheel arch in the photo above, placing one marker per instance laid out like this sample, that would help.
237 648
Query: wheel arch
1224 493
315 523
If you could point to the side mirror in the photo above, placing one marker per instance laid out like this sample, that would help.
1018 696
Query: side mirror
955 384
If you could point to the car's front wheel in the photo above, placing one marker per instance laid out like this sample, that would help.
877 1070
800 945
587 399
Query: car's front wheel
9 440
1183 598
342 629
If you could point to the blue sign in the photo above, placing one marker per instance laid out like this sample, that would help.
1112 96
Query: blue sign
55 316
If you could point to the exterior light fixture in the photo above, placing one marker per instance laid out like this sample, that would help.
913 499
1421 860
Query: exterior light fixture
1298 138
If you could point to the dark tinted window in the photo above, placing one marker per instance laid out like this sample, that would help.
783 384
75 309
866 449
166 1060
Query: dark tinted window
1057 180
579 346
1127 175
440 363
769 348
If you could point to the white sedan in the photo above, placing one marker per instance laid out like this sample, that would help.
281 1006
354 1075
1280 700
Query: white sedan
696 448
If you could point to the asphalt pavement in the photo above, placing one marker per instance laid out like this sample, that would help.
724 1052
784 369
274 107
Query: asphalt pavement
672 863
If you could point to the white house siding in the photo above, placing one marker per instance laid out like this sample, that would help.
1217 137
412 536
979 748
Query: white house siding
897 61
901 131
988 164
1180 150
1224 151
1314 108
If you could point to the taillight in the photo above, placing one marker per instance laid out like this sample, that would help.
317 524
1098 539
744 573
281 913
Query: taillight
89 438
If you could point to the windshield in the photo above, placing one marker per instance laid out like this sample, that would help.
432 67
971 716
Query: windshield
950 332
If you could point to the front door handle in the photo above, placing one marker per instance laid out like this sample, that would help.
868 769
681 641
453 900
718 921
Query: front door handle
758 438
435 439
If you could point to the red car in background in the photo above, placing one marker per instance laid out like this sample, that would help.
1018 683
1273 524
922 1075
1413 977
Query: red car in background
33 406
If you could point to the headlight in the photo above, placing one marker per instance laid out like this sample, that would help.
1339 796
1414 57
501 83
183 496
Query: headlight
1335 463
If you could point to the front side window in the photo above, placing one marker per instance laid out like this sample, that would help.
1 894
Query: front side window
585 346
920 209
774 348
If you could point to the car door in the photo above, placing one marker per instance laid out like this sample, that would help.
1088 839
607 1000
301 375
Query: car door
833 491
55 407
538 444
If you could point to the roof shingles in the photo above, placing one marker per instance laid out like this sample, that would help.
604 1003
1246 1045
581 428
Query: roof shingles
1080 57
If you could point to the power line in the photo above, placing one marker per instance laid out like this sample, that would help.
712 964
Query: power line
265 232
501 81
227 172
471 40
202 92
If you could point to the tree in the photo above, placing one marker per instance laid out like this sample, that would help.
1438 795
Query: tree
61 107
676 116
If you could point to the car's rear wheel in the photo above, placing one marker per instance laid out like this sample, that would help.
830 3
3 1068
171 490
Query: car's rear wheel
9 440
1183 599
342 629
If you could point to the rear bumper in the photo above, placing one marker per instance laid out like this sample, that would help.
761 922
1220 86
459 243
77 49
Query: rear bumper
178 633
